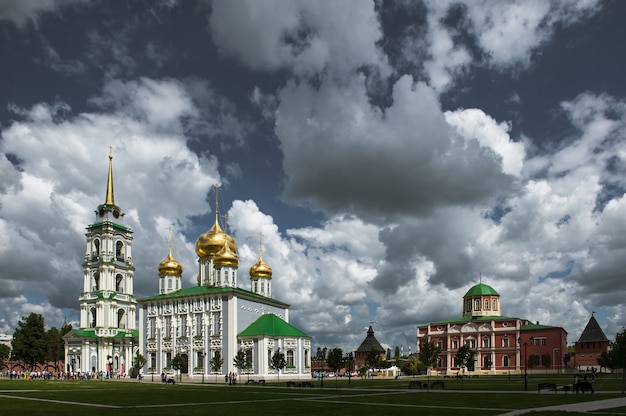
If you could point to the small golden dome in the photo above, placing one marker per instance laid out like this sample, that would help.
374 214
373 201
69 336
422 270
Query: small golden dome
226 257
260 269
211 242
170 266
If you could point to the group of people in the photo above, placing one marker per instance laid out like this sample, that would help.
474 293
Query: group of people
231 378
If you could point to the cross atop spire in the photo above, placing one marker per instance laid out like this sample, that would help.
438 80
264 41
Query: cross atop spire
260 244
169 237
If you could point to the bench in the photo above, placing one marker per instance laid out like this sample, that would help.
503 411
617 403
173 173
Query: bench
262 381
546 386
583 386
436 384
418 384
307 384
251 382
291 384
171 381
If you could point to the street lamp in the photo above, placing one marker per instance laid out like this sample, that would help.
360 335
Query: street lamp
519 341
349 366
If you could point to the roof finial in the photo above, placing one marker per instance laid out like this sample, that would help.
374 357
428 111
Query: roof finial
481 278
217 188
169 237
260 244
110 198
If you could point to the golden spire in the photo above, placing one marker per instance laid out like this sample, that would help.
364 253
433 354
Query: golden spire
110 198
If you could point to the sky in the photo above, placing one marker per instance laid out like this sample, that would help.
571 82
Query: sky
392 153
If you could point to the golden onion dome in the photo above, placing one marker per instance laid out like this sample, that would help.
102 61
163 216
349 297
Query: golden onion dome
226 257
170 266
211 242
261 269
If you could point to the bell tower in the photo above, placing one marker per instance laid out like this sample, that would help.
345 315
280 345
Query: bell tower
108 304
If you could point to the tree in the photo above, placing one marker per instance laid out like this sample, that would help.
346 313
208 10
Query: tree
464 356
396 354
335 361
412 365
216 363
373 359
605 360
55 347
278 362
178 362
618 350
138 362
5 353
546 361
29 341
428 355
533 361
240 360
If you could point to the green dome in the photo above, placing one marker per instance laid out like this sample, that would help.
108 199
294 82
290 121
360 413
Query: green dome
481 289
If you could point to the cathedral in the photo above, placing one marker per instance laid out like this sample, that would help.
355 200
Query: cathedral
206 325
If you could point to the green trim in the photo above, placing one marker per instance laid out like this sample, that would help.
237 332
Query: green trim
211 290
113 224
91 333
531 326
475 319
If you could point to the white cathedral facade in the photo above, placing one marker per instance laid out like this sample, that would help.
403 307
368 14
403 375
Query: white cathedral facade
216 318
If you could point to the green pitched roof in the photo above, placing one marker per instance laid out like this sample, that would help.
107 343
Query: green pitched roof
271 325
530 326
481 289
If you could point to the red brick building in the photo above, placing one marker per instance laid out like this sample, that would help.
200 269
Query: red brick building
501 344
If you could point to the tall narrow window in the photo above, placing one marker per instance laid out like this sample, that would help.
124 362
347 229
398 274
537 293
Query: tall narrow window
290 358
119 247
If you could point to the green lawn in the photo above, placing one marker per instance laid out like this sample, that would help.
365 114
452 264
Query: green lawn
483 396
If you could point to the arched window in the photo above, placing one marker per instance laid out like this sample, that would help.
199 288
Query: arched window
119 251
96 249
119 283
506 361
92 324
290 358
95 282
120 319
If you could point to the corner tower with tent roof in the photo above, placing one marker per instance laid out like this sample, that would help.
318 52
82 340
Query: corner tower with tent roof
106 339
219 317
